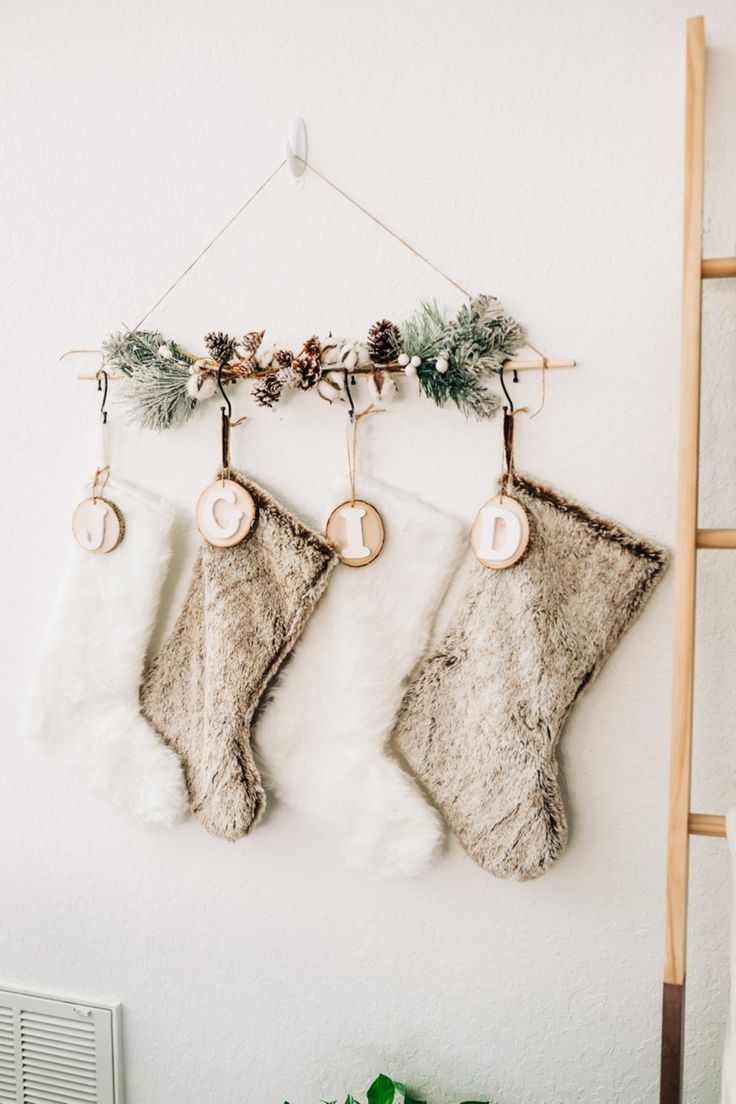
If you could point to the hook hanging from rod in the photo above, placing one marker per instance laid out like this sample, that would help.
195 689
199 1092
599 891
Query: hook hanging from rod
509 400
349 396
103 411
225 397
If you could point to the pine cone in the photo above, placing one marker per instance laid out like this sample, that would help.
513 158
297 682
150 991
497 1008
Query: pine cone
220 346
267 391
307 366
383 341
250 342
282 361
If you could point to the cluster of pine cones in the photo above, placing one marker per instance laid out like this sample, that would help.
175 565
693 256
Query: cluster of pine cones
303 370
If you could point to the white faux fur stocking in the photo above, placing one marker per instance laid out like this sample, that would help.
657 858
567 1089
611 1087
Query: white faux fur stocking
322 737
84 709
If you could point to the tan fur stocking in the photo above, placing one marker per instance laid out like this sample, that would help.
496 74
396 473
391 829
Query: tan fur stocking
245 609
480 723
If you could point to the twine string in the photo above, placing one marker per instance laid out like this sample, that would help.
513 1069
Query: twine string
244 206
101 476
353 444
545 365
392 233
227 425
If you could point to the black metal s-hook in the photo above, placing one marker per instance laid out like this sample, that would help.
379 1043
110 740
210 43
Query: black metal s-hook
351 404
505 391
229 405
102 375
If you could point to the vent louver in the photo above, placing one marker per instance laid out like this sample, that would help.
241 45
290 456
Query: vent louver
58 1052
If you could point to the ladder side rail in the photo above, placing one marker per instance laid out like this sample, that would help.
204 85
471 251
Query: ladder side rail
685 575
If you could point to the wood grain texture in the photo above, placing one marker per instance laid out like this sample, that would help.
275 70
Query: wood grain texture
718 268
707 824
678 838
716 538
687 510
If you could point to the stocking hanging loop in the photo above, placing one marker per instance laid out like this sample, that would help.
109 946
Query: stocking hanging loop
355 527
98 525
500 533
226 511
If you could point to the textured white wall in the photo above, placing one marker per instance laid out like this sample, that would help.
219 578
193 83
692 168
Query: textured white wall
534 150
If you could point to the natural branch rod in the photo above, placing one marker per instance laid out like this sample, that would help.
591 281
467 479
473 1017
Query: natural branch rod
363 370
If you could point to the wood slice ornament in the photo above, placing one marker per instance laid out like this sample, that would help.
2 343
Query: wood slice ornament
500 532
356 529
226 513
98 525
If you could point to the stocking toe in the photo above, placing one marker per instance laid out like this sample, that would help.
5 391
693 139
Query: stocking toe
234 801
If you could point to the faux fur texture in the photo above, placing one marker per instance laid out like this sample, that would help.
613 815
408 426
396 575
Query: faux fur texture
481 722
84 709
245 609
322 737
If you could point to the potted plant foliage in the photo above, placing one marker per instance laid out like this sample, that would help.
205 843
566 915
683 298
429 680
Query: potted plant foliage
385 1090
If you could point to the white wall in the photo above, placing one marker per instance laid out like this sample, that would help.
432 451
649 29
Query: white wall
534 150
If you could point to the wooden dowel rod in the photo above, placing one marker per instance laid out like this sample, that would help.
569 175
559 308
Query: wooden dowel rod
705 824
511 366
92 376
718 268
716 538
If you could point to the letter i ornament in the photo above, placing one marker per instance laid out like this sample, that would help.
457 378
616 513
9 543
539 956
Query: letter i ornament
355 527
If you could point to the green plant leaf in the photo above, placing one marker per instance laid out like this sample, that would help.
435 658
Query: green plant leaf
383 1091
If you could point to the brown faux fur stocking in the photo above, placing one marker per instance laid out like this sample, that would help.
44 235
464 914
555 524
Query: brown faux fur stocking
481 721
245 609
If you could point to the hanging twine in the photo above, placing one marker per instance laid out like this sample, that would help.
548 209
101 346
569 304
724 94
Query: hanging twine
227 425
353 444
545 365
101 476
243 207
384 227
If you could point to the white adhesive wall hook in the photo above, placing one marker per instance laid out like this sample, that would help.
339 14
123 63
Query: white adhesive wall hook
297 149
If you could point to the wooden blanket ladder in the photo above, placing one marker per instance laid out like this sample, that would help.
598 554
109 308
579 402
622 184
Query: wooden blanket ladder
688 540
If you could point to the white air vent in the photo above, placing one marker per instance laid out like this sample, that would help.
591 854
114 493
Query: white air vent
55 1052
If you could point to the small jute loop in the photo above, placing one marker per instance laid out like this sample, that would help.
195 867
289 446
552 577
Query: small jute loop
227 425
353 443
98 478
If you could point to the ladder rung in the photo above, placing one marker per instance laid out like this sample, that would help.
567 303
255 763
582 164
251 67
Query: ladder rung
716 538
706 824
715 268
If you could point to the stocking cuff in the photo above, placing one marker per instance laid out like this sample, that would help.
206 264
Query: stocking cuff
598 525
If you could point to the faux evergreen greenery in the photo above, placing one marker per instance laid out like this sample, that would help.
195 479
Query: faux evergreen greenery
455 361
470 349
385 1090
158 373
